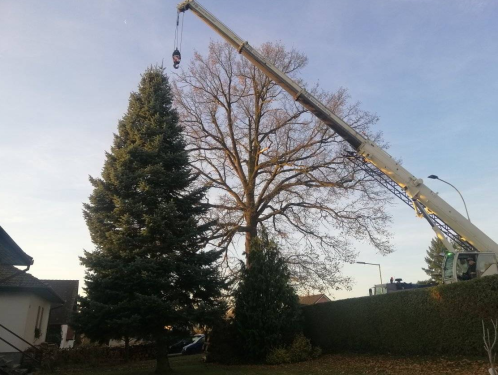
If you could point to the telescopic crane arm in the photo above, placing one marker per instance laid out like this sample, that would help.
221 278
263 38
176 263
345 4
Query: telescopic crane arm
425 201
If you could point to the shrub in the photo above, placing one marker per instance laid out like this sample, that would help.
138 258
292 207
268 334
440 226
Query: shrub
49 357
301 350
267 313
223 346
316 352
445 320
91 355
278 356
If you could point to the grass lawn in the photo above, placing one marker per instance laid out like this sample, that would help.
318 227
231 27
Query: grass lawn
346 364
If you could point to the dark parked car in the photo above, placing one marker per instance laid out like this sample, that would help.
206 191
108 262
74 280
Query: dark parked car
196 346
178 347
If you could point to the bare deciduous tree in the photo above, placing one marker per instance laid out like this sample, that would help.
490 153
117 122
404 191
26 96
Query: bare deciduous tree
489 344
272 163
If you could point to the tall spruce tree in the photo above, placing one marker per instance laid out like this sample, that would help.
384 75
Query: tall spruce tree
434 261
149 273
267 313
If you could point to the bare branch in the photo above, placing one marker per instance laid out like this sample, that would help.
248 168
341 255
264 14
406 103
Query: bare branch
270 162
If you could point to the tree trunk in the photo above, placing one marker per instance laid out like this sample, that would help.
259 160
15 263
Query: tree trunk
127 349
252 232
162 366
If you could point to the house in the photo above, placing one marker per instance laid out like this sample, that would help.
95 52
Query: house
11 253
60 317
314 299
25 301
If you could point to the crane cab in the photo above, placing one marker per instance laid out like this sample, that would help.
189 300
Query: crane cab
461 266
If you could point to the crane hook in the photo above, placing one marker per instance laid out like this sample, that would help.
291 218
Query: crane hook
177 57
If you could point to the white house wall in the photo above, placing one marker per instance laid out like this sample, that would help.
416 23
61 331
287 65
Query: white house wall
65 343
13 315
29 333
18 312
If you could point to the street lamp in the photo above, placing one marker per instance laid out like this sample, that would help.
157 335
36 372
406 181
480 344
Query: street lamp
374 264
434 177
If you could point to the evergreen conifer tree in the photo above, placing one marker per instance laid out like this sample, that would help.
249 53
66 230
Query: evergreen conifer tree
434 261
267 313
148 275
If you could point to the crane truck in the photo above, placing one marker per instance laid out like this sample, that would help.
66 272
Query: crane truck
471 244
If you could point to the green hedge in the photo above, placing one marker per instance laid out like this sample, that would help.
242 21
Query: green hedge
443 320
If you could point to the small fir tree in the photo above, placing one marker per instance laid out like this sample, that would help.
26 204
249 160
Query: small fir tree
148 275
434 261
267 313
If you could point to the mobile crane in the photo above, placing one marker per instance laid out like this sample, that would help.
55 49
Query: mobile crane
448 224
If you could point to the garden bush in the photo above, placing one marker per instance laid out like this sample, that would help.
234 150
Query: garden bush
445 319
278 356
299 351
92 355
223 345
267 311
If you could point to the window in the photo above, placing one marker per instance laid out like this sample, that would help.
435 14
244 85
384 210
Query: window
70 334
380 289
39 318
448 267
38 324
484 262
461 267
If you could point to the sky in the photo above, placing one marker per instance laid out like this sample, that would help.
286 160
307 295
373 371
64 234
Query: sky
428 68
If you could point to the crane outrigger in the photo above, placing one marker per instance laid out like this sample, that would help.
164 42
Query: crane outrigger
448 224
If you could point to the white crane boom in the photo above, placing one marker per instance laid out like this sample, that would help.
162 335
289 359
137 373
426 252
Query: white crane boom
424 199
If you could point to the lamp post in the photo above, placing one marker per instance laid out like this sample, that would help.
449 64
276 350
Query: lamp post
374 264
434 177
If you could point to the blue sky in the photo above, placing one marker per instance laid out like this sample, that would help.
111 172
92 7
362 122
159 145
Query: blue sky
429 69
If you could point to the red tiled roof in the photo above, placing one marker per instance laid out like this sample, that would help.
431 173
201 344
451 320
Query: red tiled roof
311 300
